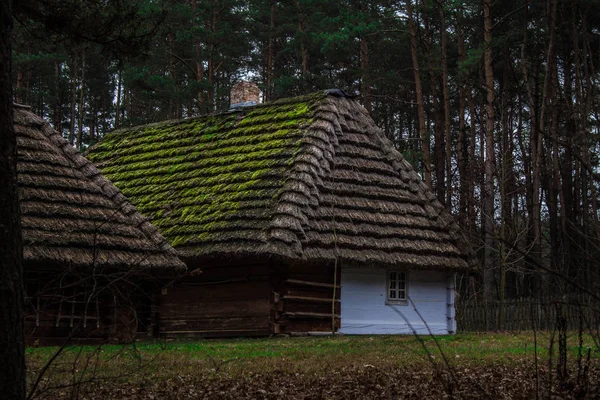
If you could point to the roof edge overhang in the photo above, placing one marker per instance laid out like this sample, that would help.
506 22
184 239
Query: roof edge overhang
28 119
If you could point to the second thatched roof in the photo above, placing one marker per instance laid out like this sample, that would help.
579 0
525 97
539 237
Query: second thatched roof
71 215
310 178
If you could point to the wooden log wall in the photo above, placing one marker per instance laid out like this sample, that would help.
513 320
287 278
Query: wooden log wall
59 310
47 324
224 300
303 298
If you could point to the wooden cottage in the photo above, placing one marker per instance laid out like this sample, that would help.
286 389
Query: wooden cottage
300 213
91 261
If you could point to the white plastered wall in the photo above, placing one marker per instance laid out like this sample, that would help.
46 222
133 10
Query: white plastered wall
364 308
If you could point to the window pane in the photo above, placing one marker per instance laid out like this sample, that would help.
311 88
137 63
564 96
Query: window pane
398 286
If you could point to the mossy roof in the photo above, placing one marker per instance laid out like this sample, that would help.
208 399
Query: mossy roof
71 215
309 178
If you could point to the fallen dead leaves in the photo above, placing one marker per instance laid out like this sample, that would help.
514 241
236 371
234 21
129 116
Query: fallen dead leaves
503 366
355 382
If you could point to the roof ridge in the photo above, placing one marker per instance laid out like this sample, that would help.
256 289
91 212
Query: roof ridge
89 171
242 111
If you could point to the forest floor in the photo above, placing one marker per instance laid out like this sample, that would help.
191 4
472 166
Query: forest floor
493 365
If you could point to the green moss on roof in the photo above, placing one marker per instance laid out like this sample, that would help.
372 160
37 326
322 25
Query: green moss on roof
197 178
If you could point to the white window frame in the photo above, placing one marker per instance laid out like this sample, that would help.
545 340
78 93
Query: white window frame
400 286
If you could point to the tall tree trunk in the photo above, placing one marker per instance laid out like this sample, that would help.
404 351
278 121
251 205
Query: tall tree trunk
527 173
505 184
81 99
364 70
445 90
541 133
365 81
27 96
211 59
488 193
19 87
438 112
199 79
423 134
461 145
12 352
211 80
556 194
270 54
94 116
566 169
127 105
588 68
576 210
118 108
438 144
473 165
534 183
589 201
74 73
57 115
199 69
303 49
173 103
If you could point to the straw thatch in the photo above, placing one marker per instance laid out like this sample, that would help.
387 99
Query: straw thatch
310 178
72 215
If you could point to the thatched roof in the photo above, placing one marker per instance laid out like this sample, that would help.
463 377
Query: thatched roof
72 215
310 178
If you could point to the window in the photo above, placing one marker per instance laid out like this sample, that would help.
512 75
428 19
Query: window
397 288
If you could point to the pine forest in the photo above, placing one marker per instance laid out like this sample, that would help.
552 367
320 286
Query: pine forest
496 104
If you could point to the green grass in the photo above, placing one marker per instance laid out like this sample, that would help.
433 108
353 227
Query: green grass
477 348
305 360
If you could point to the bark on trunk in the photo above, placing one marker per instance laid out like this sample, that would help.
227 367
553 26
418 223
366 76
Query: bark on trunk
303 49
365 84
81 99
12 367
57 116
589 71
19 87
211 80
461 145
446 93
118 111
423 134
74 73
270 55
199 71
534 183
173 105
473 166
364 80
199 79
438 144
211 60
488 199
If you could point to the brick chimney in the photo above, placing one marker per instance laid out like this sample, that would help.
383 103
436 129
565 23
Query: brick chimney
244 94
